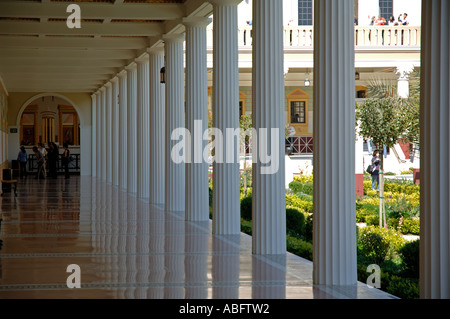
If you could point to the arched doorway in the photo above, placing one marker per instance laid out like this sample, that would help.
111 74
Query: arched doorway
47 118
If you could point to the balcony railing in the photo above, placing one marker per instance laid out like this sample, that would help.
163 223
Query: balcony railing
365 37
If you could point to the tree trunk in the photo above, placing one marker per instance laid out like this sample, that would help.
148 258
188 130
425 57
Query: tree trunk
381 193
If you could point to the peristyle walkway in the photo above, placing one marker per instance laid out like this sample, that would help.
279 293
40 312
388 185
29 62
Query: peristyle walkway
127 248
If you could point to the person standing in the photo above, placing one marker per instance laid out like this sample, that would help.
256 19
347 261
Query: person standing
53 157
43 150
40 161
375 171
22 158
65 159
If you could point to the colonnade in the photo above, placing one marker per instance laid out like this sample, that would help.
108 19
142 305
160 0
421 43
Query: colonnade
134 116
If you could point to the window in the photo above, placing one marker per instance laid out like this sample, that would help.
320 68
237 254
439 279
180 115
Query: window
386 8
305 12
298 112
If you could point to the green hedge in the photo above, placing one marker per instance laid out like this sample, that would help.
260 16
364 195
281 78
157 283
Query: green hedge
298 187
299 247
410 254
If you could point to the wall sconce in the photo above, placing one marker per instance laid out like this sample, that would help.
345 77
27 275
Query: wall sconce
357 76
163 75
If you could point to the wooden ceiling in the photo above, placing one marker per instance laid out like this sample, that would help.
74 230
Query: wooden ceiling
40 53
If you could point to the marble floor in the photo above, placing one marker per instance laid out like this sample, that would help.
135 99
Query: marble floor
124 248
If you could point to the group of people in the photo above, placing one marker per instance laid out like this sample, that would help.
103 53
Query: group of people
401 20
45 157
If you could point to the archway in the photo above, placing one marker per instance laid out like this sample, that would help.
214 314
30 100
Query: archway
51 117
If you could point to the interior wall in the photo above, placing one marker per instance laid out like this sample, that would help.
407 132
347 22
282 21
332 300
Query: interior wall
17 102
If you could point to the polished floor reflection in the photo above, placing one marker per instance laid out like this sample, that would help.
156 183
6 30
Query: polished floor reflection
127 248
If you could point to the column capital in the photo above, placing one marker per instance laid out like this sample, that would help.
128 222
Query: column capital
142 59
196 21
173 38
225 2
108 84
132 66
102 89
115 79
155 51
122 73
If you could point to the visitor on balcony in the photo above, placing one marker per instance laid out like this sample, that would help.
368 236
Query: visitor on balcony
392 21
380 21
405 20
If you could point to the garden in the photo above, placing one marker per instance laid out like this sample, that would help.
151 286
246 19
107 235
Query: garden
395 248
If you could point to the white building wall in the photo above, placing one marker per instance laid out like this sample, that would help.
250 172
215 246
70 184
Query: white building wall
412 7
366 10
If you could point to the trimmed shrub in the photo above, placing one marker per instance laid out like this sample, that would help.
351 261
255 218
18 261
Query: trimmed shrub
304 205
246 226
411 226
246 208
406 288
377 244
299 247
409 254
374 247
295 221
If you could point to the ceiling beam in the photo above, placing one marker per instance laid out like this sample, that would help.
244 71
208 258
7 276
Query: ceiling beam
89 10
72 42
87 28
67 54
30 62
67 69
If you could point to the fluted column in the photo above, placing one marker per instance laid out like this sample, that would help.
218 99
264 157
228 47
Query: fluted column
132 128
103 137
94 135
115 131
334 234
99 134
157 133
197 193
435 151
225 112
123 129
143 126
108 132
269 202
174 170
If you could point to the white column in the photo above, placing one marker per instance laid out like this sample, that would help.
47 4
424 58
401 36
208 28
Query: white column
226 179
103 138
99 134
197 188
132 128
269 201
175 171
108 133
94 135
143 126
403 72
115 131
334 234
123 129
157 120
435 151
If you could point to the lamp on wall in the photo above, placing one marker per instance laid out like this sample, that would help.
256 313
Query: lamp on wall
163 75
